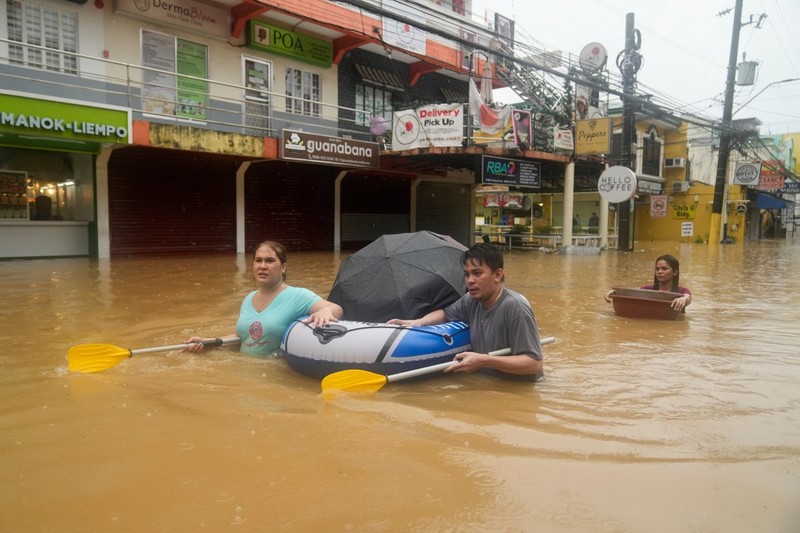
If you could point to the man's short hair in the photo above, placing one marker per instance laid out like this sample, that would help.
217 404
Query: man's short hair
484 253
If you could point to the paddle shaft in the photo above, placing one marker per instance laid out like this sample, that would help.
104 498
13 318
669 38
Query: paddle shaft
441 366
212 342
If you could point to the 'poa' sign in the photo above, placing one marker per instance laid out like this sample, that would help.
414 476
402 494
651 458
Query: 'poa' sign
617 184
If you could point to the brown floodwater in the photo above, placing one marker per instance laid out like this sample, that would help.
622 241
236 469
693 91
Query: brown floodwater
640 425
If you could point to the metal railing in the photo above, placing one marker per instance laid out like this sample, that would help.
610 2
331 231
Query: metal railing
222 106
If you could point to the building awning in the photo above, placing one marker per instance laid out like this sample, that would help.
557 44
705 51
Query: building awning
453 96
767 201
384 78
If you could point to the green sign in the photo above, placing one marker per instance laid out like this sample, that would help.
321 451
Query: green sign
273 39
192 99
22 116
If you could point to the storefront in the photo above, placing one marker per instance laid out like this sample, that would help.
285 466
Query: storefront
47 192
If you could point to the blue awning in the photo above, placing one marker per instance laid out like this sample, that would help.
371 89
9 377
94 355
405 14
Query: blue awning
767 201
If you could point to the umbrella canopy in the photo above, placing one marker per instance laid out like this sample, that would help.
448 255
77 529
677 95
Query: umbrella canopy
404 275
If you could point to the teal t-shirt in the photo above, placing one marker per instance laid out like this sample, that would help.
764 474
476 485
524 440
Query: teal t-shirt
260 333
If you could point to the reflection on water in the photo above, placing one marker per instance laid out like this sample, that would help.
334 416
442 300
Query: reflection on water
639 425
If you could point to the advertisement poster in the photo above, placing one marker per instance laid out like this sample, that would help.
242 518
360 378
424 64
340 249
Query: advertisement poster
167 94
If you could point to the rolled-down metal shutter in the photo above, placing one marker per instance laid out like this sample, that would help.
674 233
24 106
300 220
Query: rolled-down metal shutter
167 201
373 206
444 208
291 203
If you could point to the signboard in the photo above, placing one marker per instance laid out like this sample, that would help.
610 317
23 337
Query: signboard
269 38
593 136
563 139
617 184
645 186
325 150
687 229
683 210
186 14
791 187
63 120
512 172
746 173
771 178
658 206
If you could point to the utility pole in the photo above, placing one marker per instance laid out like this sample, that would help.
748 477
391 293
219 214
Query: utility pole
629 65
721 183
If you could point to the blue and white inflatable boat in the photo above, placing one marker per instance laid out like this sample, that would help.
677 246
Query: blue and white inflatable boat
377 347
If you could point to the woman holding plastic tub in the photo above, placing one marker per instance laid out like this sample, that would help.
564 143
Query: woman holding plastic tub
667 278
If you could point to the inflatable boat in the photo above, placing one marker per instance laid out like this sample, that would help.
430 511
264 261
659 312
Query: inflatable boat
377 347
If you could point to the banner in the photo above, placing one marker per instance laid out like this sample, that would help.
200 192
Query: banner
522 128
427 126
492 122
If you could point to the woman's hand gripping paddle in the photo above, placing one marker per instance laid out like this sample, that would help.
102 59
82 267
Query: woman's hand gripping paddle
366 381
98 357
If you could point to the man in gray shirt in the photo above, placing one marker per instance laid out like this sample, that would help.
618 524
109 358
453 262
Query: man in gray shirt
498 318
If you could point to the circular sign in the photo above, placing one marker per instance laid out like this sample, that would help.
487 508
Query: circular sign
592 57
406 129
617 184
746 174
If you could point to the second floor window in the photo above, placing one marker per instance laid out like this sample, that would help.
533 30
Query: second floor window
303 92
372 101
37 25
651 154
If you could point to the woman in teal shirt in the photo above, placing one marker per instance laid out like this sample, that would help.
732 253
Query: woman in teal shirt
268 311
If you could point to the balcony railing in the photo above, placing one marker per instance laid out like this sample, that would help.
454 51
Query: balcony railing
222 106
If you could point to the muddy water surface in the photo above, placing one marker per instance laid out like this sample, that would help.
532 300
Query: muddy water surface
640 425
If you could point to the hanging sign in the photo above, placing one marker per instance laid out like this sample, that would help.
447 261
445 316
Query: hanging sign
617 184
747 173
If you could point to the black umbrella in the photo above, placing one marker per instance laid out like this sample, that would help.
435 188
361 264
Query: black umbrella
404 275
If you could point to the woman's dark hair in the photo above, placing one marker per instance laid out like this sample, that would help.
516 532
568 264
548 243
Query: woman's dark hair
675 265
278 248
484 254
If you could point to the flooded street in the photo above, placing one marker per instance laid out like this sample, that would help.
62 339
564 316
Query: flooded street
639 425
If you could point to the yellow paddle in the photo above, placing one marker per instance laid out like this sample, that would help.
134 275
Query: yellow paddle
98 357
365 381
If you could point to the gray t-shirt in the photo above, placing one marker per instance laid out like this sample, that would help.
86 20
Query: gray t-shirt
509 324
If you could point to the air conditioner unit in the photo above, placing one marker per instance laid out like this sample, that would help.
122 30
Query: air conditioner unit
675 162
680 186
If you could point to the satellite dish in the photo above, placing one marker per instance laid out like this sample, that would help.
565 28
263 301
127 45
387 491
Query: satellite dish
593 57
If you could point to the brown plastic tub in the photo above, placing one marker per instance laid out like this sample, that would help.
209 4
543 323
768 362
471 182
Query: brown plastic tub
644 303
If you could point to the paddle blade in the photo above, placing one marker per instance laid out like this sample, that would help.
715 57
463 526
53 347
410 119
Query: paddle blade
353 381
95 357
